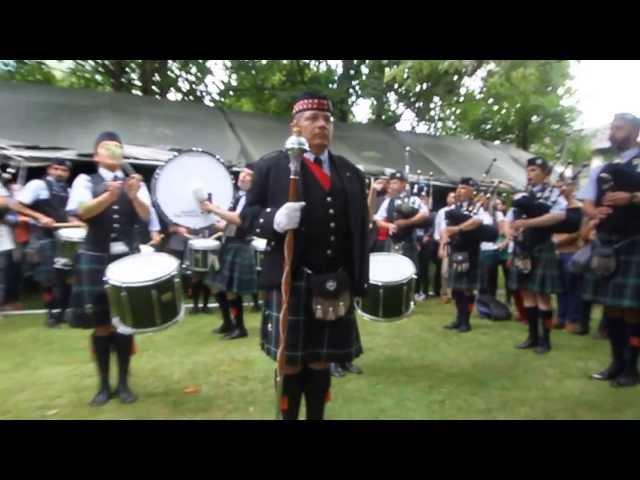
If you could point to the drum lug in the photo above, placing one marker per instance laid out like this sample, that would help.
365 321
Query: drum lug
319 312
331 315
177 285
341 310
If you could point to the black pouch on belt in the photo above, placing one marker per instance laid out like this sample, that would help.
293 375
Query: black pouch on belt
460 262
330 295
603 260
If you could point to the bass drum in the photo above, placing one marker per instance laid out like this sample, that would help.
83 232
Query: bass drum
390 289
178 186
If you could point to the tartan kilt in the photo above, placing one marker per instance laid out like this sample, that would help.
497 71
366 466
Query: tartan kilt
545 277
622 288
44 272
89 305
308 340
465 280
238 270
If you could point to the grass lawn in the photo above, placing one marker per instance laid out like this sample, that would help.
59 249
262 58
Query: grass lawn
413 370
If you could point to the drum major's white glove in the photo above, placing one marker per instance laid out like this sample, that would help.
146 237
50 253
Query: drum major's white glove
288 216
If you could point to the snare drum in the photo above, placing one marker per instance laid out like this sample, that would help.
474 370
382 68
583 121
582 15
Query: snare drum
145 292
260 244
202 254
390 289
68 241
146 249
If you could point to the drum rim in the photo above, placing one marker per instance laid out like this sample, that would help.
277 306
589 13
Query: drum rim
217 245
144 283
127 330
158 172
58 234
374 318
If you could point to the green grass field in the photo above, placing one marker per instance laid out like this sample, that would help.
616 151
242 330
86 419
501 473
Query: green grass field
413 370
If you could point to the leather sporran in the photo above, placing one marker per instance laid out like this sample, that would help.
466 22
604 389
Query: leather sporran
603 260
460 262
330 295
522 263
581 260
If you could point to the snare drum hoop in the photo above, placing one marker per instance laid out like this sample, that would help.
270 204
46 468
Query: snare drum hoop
373 318
144 283
59 234
214 246
126 330
158 172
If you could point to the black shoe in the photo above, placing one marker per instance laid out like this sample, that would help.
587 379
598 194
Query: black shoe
125 394
205 309
528 343
223 329
464 328
195 309
543 347
101 397
351 368
336 371
255 308
236 333
609 373
53 320
626 379
453 325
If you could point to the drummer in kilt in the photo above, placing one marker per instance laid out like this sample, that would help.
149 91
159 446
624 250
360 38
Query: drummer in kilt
616 214
330 253
111 206
544 277
48 196
238 273
463 271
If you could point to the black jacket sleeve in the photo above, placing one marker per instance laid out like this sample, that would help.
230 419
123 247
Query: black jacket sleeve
258 215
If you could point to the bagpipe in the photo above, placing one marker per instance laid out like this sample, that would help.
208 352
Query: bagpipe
529 204
619 177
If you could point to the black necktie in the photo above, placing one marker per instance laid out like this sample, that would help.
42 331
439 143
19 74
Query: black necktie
317 161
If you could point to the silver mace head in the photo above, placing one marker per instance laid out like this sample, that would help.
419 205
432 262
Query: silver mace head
296 144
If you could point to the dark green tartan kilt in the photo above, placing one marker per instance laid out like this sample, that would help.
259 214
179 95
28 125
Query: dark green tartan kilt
545 277
308 340
238 270
89 305
465 280
622 288
44 272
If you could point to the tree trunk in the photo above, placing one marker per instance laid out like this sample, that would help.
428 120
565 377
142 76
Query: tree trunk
344 84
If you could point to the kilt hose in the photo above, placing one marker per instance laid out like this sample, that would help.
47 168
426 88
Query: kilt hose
545 277
308 340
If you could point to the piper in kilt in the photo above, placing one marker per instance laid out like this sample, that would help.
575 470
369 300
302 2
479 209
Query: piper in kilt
543 278
612 202
48 196
111 206
330 252
463 276
238 273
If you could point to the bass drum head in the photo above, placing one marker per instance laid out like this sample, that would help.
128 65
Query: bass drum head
141 269
175 184
390 268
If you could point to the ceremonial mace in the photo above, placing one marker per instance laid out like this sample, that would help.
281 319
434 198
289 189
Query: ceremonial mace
295 146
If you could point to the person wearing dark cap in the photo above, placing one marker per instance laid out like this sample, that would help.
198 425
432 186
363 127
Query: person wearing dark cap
535 268
330 254
401 213
614 210
111 206
48 196
238 274
463 255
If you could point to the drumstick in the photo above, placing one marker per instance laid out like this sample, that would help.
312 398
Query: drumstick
69 225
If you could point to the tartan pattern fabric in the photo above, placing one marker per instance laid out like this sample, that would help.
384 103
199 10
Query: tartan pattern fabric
308 340
238 270
622 288
89 305
545 277
44 272
464 280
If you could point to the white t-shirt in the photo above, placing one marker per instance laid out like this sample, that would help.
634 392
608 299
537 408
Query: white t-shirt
487 220
6 234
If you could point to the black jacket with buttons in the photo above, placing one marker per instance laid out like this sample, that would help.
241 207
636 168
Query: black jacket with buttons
270 191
